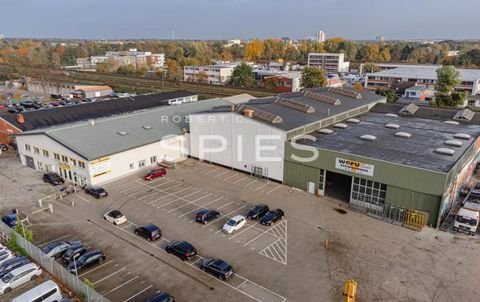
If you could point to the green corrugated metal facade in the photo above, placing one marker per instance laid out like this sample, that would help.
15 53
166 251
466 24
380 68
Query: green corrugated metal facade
407 187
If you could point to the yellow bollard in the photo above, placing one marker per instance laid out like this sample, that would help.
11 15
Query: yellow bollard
350 290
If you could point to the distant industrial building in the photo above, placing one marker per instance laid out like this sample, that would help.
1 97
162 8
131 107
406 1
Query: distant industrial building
123 58
422 76
67 89
219 74
329 62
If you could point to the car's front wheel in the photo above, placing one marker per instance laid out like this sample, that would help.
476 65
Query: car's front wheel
7 290
34 277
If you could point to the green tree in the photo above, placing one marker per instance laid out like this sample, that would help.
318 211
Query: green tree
313 77
447 79
389 93
243 76
370 67
24 232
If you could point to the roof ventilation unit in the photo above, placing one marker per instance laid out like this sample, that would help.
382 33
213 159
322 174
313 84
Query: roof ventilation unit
340 125
462 136
451 123
445 151
464 115
368 137
147 127
392 126
391 114
409 109
294 105
325 131
345 92
122 133
403 134
322 98
453 142
353 121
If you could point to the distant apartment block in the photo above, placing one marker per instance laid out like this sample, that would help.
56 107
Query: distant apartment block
422 76
320 37
329 62
212 74
123 58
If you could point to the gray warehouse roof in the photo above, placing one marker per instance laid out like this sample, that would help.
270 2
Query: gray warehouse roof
420 150
124 132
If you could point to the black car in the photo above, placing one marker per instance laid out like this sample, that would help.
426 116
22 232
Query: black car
96 192
12 264
10 219
205 216
272 216
73 253
3 147
86 260
217 267
161 297
258 211
182 250
149 231
53 179
12 110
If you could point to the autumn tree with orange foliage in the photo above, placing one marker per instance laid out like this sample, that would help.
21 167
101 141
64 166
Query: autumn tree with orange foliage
254 50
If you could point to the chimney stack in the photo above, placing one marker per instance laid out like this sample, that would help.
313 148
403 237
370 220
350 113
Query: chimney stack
20 119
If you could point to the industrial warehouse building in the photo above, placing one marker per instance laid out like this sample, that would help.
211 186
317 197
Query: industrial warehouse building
101 150
270 122
395 157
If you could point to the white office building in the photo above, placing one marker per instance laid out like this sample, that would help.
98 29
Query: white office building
212 74
329 62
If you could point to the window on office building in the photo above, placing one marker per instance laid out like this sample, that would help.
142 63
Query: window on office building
73 161
56 156
64 159
81 164
45 153
27 147
36 150
153 159
132 165
141 164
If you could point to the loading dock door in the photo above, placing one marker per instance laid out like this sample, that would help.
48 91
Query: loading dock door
30 162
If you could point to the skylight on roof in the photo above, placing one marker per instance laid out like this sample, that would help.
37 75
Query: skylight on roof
462 136
368 137
353 121
391 114
147 127
325 131
340 125
451 123
403 134
454 143
392 126
445 151
122 133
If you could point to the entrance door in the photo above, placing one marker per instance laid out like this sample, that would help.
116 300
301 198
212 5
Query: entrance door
321 183
311 187
30 162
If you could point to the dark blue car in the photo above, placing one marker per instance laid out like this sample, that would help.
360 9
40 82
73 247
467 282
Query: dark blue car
10 220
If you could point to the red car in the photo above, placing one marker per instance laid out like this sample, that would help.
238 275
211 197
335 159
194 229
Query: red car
155 173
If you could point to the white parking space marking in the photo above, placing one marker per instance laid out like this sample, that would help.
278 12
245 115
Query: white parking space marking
57 239
266 183
225 172
200 207
106 277
119 186
234 174
139 293
251 183
226 205
239 180
244 229
121 285
272 190
168 195
100 266
212 172
189 203
278 249
163 183
82 198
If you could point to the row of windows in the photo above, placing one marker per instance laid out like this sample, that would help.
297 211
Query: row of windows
142 163
57 156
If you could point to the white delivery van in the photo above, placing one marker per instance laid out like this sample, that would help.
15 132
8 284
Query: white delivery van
467 218
48 291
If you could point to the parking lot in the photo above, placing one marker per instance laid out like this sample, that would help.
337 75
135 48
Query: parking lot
285 262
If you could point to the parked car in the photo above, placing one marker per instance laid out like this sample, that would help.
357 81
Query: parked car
217 267
73 252
115 217
205 216
3 147
19 276
149 231
161 297
234 224
86 260
155 173
48 291
257 211
272 217
12 264
53 178
96 192
10 219
12 110
182 250
58 248
6 255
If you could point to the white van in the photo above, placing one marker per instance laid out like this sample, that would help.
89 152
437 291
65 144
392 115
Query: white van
45 292
19 276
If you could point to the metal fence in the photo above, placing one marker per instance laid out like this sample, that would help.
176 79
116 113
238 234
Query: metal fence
54 268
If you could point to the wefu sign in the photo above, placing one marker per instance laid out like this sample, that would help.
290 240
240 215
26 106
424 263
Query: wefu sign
354 166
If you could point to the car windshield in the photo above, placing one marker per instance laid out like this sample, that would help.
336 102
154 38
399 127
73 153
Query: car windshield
116 214
7 278
466 220
231 222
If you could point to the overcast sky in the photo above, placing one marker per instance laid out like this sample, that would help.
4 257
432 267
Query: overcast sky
225 19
